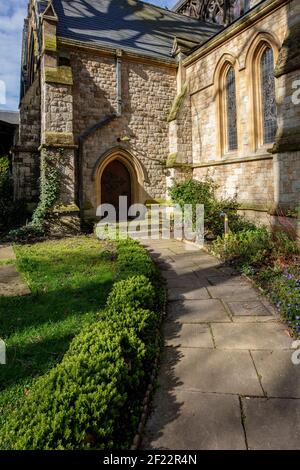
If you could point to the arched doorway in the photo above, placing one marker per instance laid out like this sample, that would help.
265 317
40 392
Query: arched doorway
116 182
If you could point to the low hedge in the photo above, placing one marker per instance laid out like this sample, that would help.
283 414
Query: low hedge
93 398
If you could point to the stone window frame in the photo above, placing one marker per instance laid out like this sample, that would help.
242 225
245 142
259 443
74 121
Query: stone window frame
226 62
259 44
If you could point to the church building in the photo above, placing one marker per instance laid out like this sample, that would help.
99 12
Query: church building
122 97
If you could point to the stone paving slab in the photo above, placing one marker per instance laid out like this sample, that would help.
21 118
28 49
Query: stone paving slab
217 350
11 284
187 336
197 311
188 280
7 253
279 376
230 292
192 421
250 308
272 424
251 336
209 370
187 294
235 281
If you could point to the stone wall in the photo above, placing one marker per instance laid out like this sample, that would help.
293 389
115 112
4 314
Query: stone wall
26 164
142 129
250 182
249 173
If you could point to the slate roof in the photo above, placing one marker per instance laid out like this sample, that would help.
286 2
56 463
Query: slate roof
10 117
129 24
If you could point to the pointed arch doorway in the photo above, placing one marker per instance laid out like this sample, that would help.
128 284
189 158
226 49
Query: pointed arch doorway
116 181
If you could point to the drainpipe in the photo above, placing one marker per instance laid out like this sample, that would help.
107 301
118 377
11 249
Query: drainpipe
91 129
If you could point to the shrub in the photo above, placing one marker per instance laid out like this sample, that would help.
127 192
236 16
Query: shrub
285 292
137 292
79 404
11 213
133 259
245 247
203 192
92 399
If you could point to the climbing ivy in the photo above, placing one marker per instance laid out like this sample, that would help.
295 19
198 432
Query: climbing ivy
50 182
52 163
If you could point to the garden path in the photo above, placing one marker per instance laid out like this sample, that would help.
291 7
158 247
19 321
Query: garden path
226 379
11 283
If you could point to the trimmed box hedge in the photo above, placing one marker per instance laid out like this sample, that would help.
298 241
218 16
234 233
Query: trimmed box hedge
93 398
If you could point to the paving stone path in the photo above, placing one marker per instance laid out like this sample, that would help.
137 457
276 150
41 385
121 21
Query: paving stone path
226 379
11 283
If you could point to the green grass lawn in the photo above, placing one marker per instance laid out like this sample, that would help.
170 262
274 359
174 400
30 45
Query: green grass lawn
69 280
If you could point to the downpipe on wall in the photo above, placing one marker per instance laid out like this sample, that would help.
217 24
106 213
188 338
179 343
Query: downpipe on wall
95 127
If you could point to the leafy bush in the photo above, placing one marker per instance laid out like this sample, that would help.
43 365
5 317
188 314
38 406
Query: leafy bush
285 292
133 259
11 213
203 192
92 399
254 247
245 247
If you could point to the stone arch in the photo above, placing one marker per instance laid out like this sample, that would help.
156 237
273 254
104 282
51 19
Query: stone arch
138 175
258 45
258 41
223 61
224 64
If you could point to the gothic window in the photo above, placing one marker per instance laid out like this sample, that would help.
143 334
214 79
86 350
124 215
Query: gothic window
231 112
269 110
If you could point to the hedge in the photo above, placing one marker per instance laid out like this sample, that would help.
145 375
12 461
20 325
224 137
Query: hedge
93 398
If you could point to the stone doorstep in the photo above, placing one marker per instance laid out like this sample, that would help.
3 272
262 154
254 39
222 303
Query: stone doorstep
213 422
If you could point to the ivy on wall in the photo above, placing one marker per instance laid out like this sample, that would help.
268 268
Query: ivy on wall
52 162
50 183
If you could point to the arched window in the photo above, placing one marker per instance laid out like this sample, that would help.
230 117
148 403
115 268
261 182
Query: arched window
231 113
269 109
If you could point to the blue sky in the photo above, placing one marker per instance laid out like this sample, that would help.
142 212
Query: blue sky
12 13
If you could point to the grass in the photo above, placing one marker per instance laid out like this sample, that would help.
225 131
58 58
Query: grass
69 280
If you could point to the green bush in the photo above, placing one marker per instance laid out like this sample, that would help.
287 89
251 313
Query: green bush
11 213
254 247
203 192
136 292
133 259
245 247
92 399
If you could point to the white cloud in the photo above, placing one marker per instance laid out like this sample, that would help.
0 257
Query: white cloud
12 14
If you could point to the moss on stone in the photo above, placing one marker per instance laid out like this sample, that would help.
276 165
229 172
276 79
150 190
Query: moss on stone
288 141
171 160
58 138
62 75
177 104
252 206
65 208
50 43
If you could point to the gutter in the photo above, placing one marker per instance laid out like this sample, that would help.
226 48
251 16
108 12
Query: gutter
95 127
